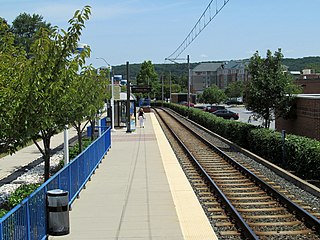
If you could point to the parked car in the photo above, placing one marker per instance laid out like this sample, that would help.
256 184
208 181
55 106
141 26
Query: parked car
236 101
213 108
226 114
184 103
201 107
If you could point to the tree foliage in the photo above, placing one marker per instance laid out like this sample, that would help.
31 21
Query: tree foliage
270 90
83 99
13 67
299 64
213 95
25 28
234 89
55 66
148 77
41 94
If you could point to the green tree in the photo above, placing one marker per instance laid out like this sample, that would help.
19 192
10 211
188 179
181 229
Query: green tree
13 67
234 89
83 99
51 70
270 90
213 95
314 66
25 27
4 28
175 88
169 81
147 76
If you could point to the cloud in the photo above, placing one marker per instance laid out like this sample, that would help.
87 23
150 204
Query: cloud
203 56
58 12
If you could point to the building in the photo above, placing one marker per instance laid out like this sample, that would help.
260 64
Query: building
182 97
309 81
203 76
306 121
231 71
220 73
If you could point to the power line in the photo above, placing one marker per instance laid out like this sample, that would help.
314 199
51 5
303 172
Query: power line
203 21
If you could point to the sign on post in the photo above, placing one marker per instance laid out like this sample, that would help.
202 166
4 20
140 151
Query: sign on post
140 89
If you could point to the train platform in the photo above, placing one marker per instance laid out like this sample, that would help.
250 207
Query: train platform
139 192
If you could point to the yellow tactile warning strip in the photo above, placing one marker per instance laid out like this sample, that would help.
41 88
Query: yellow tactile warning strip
193 221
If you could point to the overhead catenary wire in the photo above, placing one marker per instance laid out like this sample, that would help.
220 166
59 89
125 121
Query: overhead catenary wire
203 21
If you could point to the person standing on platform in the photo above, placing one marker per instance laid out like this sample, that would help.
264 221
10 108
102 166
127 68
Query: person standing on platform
141 117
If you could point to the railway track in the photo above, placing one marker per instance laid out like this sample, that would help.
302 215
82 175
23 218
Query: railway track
240 202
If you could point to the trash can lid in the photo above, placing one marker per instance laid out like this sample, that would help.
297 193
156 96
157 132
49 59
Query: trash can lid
57 192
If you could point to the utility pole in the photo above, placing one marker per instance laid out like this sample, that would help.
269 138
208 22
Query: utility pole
170 86
162 93
128 101
188 59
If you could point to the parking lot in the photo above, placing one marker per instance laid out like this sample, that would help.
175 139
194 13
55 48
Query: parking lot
244 115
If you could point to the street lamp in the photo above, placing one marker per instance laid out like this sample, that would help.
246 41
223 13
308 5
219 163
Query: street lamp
79 49
112 94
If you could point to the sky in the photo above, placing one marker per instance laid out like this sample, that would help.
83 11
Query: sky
139 30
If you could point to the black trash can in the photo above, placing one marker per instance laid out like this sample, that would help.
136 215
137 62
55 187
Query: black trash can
58 212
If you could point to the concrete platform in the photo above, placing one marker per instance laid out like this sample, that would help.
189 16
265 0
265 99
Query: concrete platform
138 192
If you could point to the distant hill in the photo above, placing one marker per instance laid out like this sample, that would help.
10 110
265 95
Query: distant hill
294 64
298 64
175 69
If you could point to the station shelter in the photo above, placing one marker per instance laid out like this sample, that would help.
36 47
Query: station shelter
182 97
120 110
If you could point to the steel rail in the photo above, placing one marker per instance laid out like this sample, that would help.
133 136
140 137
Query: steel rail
302 214
243 227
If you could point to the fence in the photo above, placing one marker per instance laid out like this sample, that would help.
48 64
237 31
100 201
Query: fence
105 122
28 220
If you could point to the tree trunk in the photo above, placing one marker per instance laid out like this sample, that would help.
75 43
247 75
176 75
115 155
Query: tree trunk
46 157
77 126
79 134
46 153
92 129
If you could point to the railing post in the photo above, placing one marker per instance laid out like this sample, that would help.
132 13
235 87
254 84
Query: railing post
70 181
78 176
28 221
1 231
99 129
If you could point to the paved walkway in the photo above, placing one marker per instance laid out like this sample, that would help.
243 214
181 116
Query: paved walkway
138 192
23 157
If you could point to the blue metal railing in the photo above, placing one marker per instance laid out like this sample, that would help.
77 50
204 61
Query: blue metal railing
103 127
28 220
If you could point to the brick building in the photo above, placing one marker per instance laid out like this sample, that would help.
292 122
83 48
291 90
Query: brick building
309 86
307 120
309 81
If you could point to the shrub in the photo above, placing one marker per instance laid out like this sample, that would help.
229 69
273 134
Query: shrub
15 198
3 212
21 193
303 156
74 151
